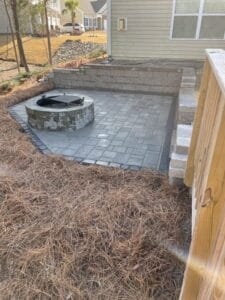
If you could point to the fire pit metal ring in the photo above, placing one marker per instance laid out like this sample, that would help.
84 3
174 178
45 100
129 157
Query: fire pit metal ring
60 111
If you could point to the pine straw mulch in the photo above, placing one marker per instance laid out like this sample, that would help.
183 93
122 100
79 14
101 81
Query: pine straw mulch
69 231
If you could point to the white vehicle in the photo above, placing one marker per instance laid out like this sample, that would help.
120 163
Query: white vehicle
69 28
79 27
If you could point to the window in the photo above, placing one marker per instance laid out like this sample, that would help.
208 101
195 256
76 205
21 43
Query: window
214 7
86 22
53 4
185 27
91 22
187 6
198 19
122 24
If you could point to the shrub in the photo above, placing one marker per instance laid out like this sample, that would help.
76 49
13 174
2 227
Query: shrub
97 53
22 77
5 87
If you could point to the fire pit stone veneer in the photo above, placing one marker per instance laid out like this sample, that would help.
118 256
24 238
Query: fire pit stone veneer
60 112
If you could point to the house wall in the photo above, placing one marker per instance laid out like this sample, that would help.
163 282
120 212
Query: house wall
148 32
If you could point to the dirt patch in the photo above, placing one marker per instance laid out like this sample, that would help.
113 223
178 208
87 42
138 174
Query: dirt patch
8 70
75 232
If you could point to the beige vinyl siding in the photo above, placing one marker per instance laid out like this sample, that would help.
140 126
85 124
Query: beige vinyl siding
148 34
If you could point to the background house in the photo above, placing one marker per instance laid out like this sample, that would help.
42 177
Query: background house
54 16
92 14
100 8
172 29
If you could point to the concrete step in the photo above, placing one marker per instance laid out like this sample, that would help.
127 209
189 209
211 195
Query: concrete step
178 161
176 175
184 131
187 107
173 142
183 141
188 84
190 79
185 115
189 72
182 146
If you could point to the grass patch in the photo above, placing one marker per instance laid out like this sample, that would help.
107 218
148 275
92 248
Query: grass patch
22 77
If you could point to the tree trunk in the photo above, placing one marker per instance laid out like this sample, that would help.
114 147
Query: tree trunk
18 36
48 33
12 35
73 18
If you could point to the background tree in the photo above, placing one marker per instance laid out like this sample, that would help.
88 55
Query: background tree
12 33
23 12
14 8
45 2
37 12
71 7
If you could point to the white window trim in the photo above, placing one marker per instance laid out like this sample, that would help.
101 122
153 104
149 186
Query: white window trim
90 19
200 15
109 28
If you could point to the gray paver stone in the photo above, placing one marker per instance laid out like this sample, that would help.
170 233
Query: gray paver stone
129 129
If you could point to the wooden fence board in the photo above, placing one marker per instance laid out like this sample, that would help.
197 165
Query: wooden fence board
197 123
204 277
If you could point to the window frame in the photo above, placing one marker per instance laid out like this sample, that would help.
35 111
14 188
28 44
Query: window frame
91 22
200 16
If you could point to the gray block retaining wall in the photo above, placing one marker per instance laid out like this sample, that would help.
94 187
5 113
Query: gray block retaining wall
163 81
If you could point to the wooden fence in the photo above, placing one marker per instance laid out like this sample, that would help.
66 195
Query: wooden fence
205 272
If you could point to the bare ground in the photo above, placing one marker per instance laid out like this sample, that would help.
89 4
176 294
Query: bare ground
69 231
8 70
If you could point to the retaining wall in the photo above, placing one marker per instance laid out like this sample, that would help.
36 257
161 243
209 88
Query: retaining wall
163 81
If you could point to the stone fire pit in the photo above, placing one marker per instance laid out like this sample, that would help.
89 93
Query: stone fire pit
60 111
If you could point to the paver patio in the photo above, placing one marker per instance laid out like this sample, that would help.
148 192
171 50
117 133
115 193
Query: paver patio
130 131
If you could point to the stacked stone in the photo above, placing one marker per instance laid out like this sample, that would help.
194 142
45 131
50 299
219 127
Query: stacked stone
152 80
186 111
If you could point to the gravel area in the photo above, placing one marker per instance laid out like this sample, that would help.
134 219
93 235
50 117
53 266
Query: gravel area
72 50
